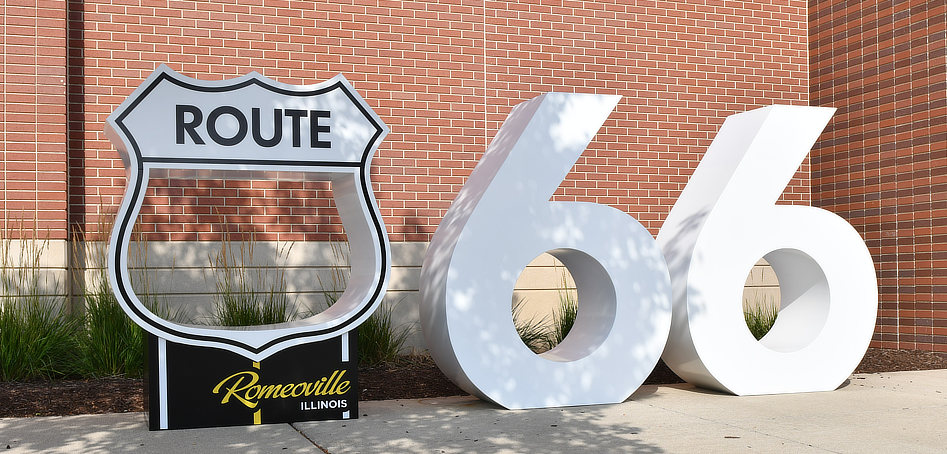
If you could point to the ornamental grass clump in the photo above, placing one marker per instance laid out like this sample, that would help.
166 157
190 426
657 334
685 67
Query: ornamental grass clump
41 339
537 333
760 317
380 340
37 339
110 343
564 315
246 294
37 334
532 331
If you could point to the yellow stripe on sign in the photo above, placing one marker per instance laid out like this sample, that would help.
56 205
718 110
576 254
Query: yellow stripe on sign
256 415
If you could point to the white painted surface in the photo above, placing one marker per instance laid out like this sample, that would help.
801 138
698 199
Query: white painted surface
723 222
500 221
148 133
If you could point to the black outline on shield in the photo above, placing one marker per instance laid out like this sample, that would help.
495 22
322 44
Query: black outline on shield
139 167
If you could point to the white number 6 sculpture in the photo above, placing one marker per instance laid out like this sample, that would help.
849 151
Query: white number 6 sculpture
502 219
723 222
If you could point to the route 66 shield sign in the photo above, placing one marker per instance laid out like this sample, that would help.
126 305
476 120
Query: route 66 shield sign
253 127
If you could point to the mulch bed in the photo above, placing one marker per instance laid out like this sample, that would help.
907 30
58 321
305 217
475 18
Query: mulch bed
408 378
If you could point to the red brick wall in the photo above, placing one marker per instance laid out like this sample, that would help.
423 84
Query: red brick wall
882 164
443 75
33 118
680 67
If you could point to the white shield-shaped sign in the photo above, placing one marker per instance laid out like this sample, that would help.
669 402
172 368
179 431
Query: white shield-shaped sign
252 127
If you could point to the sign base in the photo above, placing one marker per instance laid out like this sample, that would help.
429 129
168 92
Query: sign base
190 387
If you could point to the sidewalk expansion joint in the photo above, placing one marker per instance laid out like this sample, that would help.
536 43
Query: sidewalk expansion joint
293 425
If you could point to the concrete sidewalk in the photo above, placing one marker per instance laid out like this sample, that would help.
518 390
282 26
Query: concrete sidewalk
889 412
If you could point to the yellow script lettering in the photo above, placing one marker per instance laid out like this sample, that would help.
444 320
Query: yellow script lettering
236 388
269 390
301 387
244 387
343 388
287 391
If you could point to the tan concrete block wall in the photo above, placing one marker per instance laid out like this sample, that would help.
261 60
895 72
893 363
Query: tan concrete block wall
180 275
762 286
22 261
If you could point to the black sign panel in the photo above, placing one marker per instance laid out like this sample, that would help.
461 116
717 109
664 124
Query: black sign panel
211 387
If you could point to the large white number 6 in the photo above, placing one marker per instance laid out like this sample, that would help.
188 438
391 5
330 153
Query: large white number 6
723 222
502 219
